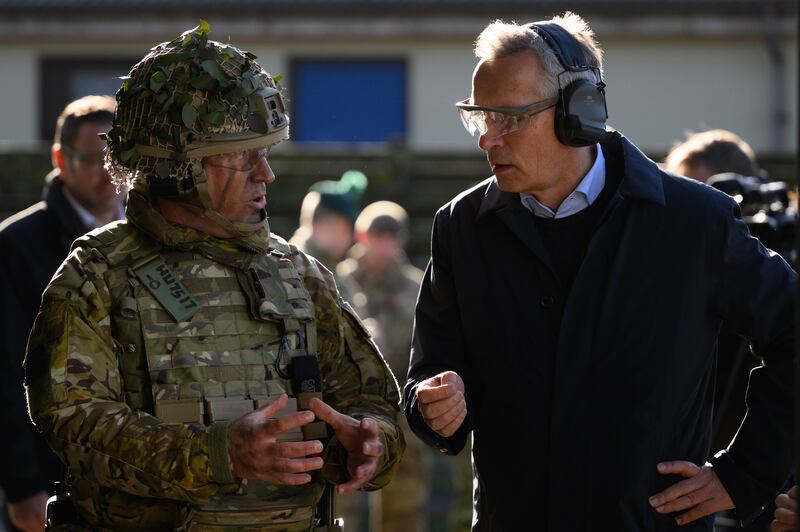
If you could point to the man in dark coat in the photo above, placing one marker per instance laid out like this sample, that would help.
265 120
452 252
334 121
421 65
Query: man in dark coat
78 197
568 318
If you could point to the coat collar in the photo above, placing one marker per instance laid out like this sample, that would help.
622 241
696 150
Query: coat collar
641 180
57 203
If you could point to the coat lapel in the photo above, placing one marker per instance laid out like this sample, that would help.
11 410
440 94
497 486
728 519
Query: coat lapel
509 209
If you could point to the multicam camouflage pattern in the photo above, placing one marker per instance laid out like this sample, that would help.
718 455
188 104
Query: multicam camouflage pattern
99 349
389 299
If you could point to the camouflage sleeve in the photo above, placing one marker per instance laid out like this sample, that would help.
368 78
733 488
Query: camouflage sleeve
357 381
75 396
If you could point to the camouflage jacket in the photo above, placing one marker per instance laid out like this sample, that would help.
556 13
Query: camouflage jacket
388 298
90 393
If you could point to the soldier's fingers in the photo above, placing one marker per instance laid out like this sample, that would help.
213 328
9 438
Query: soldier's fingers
296 465
793 492
429 394
451 428
370 427
444 419
296 449
292 421
290 479
271 410
775 526
360 476
372 447
326 413
437 408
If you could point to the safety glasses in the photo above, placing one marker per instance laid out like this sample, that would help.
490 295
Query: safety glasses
500 120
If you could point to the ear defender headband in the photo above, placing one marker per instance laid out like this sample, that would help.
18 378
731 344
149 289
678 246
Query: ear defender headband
581 111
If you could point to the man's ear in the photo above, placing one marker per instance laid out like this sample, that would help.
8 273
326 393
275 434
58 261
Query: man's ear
58 158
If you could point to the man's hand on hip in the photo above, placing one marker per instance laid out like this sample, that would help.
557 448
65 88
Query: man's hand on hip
361 439
701 494
28 514
256 452
785 512
441 402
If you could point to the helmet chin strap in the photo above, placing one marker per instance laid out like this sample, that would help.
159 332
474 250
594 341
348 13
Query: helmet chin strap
239 229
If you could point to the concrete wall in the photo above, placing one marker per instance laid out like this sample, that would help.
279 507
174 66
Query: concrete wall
658 86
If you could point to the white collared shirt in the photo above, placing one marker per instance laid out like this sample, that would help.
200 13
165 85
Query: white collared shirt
584 194
89 219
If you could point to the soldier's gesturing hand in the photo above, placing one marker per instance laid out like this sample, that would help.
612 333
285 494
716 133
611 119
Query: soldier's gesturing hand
361 439
441 401
256 452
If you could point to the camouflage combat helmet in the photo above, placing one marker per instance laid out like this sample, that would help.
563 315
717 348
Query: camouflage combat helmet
187 99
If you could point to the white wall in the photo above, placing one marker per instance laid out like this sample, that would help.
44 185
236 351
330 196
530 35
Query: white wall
19 99
657 88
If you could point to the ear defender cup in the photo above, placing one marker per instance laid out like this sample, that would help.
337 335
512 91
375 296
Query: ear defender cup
581 112
580 116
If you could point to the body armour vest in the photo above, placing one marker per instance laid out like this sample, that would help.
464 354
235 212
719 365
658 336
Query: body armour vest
207 334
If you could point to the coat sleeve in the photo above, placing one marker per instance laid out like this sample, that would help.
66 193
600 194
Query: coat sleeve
438 340
754 291
74 391
356 379
20 472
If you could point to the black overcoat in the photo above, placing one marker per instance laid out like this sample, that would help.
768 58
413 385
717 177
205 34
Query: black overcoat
33 244
574 398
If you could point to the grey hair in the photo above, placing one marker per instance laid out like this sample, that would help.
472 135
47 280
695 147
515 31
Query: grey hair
500 39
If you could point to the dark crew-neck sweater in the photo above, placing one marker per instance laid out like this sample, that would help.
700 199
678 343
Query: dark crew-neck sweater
567 239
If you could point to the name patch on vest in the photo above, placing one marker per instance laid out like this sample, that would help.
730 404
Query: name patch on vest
167 289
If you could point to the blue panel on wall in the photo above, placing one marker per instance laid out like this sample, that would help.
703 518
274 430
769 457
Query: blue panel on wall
348 101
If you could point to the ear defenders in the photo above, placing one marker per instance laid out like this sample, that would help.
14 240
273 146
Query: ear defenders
581 111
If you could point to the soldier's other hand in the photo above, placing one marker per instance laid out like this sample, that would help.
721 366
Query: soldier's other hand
441 401
701 494
256 452
29 514
785 512
361 439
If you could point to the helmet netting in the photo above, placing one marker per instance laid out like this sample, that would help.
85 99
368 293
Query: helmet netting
183 91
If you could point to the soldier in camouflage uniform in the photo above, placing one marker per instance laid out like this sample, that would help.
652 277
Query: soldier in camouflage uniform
384 287
327 216
177 359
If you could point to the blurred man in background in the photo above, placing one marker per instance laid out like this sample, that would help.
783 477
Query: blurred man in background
711 152
384 288
78 196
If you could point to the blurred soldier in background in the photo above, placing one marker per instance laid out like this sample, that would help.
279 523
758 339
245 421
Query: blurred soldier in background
183 361
78 197
384 288
327 216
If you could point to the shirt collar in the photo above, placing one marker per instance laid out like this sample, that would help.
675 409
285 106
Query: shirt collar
89 219
584 194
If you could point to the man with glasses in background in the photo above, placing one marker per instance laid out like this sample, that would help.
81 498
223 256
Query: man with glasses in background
78 197
568 318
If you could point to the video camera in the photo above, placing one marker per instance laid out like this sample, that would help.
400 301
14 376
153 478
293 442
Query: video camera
766 209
